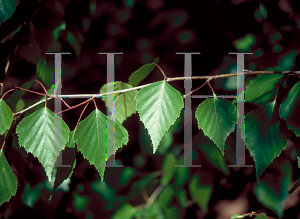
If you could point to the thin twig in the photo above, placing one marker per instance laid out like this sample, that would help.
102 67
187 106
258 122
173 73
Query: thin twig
8 133
43 87
196 89
163 73
72 107
247 72
82 113
154 195
65 102
255 214
95 103
25 89
7 92
30 107
211 87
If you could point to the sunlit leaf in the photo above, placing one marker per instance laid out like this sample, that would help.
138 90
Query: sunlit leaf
140 74
8 180
91 139
217 118
68 158
38 135
289 109
266 135
6 117
159 105
125 105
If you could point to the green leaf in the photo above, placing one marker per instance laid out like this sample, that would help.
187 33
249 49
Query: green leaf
126 175
159 105
18 94
266 135
38 135
237 216
245 43
165 197
215 157
125 211
287 62
56 31
7 8
259 217
68 158
8 180
125 105
217 118
6 117
201 194
272 192
168 168
140 74
298 158
181 175
74 42
289 109
91 137
45 73
80 202
182 198
262 89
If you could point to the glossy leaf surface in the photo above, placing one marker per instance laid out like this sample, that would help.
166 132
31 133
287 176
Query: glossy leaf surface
217 118
266 136
91 139
159 105
38 135
6 117
125 105
8 180
140 74
289 109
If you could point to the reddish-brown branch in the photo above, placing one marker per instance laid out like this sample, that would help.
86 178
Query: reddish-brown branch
7 92
43 87
73 107
82 113
163 73
65 103
95 103
196 89
210 87
8 133
25 89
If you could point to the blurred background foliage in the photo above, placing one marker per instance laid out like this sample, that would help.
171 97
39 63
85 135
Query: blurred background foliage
143 30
